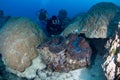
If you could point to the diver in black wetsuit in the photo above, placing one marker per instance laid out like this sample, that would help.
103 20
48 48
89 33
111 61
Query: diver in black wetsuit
54 26
43 15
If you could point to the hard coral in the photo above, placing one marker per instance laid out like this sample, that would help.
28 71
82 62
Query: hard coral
18 40
66 53
57 44
96 23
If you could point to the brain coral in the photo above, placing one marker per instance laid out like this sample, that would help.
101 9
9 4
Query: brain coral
18 40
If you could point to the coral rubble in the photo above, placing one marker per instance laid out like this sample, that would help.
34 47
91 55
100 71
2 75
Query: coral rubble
65 53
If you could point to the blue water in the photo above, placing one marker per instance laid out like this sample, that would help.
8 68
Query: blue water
29 8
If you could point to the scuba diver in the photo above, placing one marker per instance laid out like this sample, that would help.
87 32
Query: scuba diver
1 13
43 15
64 20
53 26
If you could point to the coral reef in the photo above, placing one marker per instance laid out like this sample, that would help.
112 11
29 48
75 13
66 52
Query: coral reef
18 40
65 53
73 26
95 23
111 65
94 73
5 75
31 71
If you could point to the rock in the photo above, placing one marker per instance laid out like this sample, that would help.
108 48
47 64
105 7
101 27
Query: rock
42 75
111 65
4 74
95 23
31 72
19 38
64 54
94 73
119 25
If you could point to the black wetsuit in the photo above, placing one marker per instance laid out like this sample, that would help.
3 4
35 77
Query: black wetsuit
53 29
